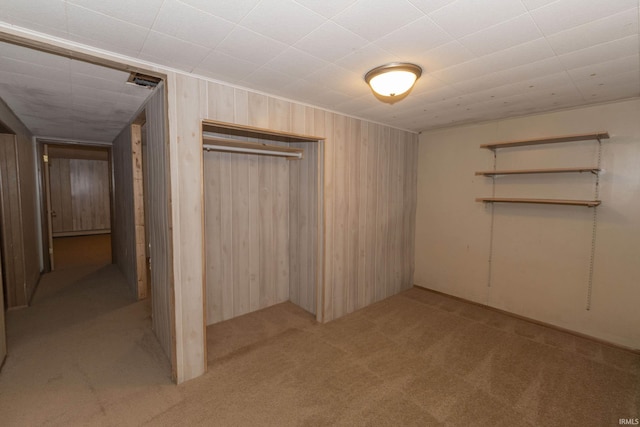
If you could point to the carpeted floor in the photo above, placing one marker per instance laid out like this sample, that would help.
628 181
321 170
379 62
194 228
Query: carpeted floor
84 355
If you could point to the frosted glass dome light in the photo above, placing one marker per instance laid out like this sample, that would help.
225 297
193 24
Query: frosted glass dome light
393 79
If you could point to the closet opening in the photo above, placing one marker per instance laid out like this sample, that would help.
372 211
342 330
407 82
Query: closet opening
263 220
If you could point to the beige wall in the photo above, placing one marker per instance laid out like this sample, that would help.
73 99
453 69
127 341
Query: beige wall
540 255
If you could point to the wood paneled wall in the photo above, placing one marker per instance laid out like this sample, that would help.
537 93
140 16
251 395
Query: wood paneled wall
123 235
303 227
3 331
10 214
19 210
369 201
79 195
158 206
261 234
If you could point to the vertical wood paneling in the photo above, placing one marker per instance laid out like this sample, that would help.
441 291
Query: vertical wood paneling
79 195
362 215
3 331
363 167
353 206
188 227
123 233
24 234
12 240
303 197
158 205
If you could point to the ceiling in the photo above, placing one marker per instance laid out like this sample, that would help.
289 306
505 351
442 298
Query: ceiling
58 97
482 59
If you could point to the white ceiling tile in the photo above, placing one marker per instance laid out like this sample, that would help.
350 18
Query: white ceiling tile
43 13
613 27
330 42
428 6
565 14
81 67
418 36
522 54
469 16
104 32
326 8
29 69
296 63
501 36
601 53
139 12
339 79
599 85
249 46
265 77
366 58
269 18
32 56
556 93
464 71
231 10
444 56
172 51
373 19
179 20
613 67
221 66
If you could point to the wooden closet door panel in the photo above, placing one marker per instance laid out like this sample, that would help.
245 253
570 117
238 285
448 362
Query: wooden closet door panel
61 205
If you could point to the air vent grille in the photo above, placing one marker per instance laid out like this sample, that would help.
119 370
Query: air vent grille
143 80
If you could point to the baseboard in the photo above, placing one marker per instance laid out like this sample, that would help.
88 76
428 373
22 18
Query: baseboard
80 233
534 321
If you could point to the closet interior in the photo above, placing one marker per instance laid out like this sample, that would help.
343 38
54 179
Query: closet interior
263 198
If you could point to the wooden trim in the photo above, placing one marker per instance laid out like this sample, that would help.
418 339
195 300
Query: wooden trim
72 54
588 203
550 140
203 254
320 243
44 226
528 319
252 131
592 169
81 233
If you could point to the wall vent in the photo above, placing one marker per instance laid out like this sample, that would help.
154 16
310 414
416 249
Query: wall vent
144 80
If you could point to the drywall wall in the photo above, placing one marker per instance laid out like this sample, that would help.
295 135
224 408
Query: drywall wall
368 235
19 210
535 260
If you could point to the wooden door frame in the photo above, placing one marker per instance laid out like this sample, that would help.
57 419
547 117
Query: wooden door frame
139 205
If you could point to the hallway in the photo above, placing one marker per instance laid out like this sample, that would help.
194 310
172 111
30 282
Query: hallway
82 354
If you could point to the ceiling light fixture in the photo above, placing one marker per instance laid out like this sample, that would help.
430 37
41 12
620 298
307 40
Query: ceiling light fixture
393 79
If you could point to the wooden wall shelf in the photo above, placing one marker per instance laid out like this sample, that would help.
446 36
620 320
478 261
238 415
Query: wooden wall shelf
591 169
552 140
587 203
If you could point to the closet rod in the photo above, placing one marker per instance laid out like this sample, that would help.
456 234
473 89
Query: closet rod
236 146
211 147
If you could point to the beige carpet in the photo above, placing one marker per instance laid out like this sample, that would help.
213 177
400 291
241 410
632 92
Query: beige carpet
84 355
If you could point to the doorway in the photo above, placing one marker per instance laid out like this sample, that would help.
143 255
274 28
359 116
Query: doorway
77 192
